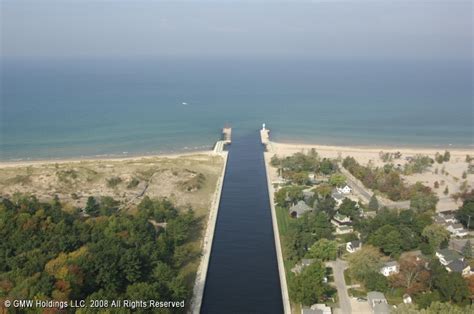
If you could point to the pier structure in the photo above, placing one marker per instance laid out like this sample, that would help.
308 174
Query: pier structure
265 138
226 140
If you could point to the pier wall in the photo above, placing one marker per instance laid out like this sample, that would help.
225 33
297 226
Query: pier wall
201 275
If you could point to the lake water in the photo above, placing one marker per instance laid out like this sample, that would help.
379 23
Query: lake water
243 271
70 108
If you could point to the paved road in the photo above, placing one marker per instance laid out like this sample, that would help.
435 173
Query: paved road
338 268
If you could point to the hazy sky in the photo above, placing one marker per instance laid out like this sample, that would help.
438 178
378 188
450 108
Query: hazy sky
320 29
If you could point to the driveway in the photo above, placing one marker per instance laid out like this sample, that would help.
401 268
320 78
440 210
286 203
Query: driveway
338 268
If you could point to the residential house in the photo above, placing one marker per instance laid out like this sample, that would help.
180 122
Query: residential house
447 256
344 229
407 299
459 266
338 197
353 246
378 302
344 190
317 309
305 262
390 268
342 224
457 229
299 209
339 220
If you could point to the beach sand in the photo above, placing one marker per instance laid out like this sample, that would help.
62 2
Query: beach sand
452 177
74 180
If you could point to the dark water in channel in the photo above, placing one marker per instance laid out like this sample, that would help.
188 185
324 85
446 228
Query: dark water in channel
243 270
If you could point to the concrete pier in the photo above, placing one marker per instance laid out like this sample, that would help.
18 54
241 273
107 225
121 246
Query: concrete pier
201 275
264 133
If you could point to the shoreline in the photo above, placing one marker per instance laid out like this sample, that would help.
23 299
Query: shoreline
371 149
25 163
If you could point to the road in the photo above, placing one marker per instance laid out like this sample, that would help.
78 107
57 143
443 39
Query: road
338 268
365 194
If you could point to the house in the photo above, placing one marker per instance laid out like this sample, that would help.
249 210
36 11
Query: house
459 266
338 197
353 246
390 268
316 309
407 299
341 220
378 302
305 262
344 190
447 256
344 229
342 223
449 218
456 229
299 209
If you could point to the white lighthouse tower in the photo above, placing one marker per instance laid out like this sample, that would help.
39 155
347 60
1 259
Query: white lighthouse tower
263 127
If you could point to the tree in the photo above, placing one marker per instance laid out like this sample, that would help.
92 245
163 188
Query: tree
365 261
465 214
436 185
446 156
375 281
447 308
388 238
308 287
373 203
435 234
413 275
349 208
337 179
324 250
92 208
467 249
446 191
423 201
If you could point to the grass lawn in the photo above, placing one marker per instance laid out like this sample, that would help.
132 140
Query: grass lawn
283 220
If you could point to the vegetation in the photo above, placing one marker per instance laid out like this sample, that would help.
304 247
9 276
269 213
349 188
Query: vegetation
48 253
301 164
395 232
113 181
307 287
418 164
466 212
388 181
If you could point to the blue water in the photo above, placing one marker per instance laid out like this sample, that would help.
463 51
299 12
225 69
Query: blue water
243 271
69 108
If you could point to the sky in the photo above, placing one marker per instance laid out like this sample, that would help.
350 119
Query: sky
384 29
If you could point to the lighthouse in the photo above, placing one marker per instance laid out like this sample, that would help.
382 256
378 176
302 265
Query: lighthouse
263 127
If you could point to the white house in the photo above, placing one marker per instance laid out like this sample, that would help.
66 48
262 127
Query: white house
353 246
459 266
457 229
338 197
344 229
390 268
344 190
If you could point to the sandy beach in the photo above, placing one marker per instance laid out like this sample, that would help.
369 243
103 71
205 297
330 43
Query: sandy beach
24 163
448 174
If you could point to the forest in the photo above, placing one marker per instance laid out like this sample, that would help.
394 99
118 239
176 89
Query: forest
49 253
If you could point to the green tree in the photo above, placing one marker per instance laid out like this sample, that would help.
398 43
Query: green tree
465 214
365 261
423 201
92 208
349 208
308 287
435 234
375 281
374 203
337 179
388 238
467 249
324 250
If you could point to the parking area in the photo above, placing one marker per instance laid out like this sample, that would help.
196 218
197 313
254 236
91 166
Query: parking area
360 307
